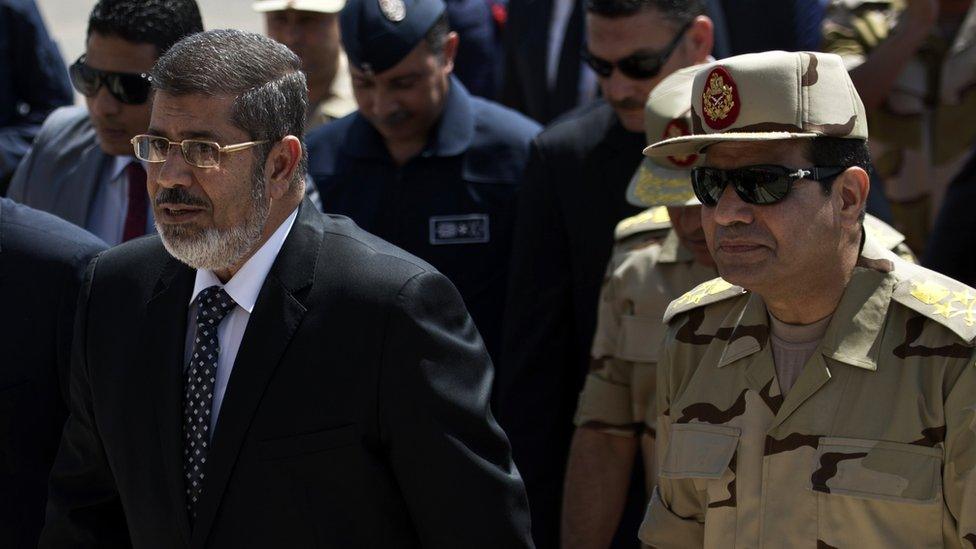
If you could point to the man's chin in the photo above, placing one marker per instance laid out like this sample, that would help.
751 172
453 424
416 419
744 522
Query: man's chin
632 120
114 146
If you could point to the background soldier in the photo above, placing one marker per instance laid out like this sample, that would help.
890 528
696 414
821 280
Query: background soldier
827 399
660 254
912 66
422 163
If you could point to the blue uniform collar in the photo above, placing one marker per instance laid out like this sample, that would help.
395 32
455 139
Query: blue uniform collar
452 135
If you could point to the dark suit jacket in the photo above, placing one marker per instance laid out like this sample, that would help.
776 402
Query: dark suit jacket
42 260
356 414
571 200
525 41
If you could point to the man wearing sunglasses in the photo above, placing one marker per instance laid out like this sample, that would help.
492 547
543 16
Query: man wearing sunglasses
81 167
823 392
572 196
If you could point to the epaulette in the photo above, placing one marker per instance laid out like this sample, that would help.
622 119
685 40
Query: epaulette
651 219
703 294
937 297
884 234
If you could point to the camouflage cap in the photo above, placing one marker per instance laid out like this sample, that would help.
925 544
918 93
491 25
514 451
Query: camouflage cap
320 6
768 96
664 181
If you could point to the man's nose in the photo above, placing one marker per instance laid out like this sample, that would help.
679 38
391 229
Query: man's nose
731 209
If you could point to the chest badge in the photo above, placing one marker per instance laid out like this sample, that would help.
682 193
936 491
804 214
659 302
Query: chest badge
459 229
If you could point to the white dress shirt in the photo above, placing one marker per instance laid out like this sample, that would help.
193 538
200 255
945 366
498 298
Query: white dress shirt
243 288
106 217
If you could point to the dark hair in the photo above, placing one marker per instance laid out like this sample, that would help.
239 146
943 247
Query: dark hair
838 152
161 23
265 77
436 37
678 12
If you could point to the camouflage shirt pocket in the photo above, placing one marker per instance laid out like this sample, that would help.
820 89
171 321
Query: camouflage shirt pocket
641 338
699 451
874 469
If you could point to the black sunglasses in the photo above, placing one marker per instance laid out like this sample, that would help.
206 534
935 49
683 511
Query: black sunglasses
639 66
761 185
128 88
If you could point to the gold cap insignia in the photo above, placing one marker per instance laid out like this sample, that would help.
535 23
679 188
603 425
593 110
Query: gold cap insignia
677 128
720 99
393 10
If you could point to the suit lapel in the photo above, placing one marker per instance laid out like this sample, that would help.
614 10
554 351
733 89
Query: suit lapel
274 321
79 185
165 339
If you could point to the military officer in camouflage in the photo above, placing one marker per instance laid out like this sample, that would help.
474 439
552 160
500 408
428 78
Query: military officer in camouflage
823 392
659 254
914 66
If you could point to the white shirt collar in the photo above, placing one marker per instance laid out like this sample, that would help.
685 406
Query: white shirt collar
245 285
118 166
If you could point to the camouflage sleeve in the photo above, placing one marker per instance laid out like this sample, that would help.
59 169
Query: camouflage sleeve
605 403
959 473
675 516
853 32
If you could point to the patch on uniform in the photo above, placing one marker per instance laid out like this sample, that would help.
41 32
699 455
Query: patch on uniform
679 128
651 219
459 229
394 10
720 99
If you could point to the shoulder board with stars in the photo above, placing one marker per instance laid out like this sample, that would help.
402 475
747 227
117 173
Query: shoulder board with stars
651 219
939 298
854 4
706 293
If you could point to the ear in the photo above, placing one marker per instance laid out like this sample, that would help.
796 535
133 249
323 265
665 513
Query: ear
851 189
700 39
450 50
281 165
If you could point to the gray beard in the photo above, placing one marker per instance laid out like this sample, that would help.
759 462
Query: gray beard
216 249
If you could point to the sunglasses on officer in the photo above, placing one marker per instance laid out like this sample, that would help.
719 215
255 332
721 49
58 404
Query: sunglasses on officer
761 185
196 152
638 66
127 88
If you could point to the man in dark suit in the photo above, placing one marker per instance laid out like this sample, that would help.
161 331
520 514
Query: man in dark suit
572 197
42 260
543 74
81 167
263 375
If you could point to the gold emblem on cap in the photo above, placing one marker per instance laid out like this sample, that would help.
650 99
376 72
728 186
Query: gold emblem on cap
394 10
717 98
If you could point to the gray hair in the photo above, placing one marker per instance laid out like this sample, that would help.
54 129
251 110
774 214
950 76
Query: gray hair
264 76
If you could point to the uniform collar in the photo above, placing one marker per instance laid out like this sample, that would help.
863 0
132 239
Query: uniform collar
452 135
854 334
672 251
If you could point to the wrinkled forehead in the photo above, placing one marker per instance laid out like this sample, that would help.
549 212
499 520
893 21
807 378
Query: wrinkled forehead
195 116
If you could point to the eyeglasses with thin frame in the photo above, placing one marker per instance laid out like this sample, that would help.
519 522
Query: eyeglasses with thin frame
762 184
127 88
196 152
638 66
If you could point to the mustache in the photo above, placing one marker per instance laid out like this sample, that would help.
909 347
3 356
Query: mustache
397 118
740 231
178 195
627 104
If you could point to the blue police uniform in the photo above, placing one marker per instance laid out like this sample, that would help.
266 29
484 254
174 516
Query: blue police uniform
452 205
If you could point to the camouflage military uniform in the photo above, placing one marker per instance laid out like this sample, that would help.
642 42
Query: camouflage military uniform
874 446
923 134
647 271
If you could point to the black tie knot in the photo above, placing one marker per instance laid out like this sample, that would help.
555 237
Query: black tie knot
213 304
